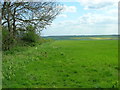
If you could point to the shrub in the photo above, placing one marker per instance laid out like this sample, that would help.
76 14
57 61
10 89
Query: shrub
7 41
30 36
5 38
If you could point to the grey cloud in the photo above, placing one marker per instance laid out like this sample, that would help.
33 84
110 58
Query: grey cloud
100 5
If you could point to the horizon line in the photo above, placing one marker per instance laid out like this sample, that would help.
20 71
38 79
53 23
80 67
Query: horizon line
80 35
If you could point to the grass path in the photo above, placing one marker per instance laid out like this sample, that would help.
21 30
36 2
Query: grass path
63 64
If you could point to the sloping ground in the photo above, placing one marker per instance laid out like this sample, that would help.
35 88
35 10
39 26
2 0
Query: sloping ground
63 64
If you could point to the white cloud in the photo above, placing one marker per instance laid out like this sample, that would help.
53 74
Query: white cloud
98 4
96 1
102 20
113 11
63 15
90 23
69 8
83 29
91 18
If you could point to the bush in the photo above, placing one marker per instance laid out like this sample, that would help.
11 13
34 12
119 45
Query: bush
24 37
30 37
7 41
5 38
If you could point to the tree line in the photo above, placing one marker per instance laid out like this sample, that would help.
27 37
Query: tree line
25 20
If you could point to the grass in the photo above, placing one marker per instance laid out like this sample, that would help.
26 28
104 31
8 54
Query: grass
93 38
63 64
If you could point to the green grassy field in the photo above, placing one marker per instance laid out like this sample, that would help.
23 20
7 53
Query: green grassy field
63 64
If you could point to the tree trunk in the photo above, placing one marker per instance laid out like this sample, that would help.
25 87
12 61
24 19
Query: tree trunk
9 26
14 25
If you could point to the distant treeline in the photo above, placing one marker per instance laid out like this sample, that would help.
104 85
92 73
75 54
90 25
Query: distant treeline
82 37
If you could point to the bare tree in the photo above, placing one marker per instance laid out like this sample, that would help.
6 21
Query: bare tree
20 14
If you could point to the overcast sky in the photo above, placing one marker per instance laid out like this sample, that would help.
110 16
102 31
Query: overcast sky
85 17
